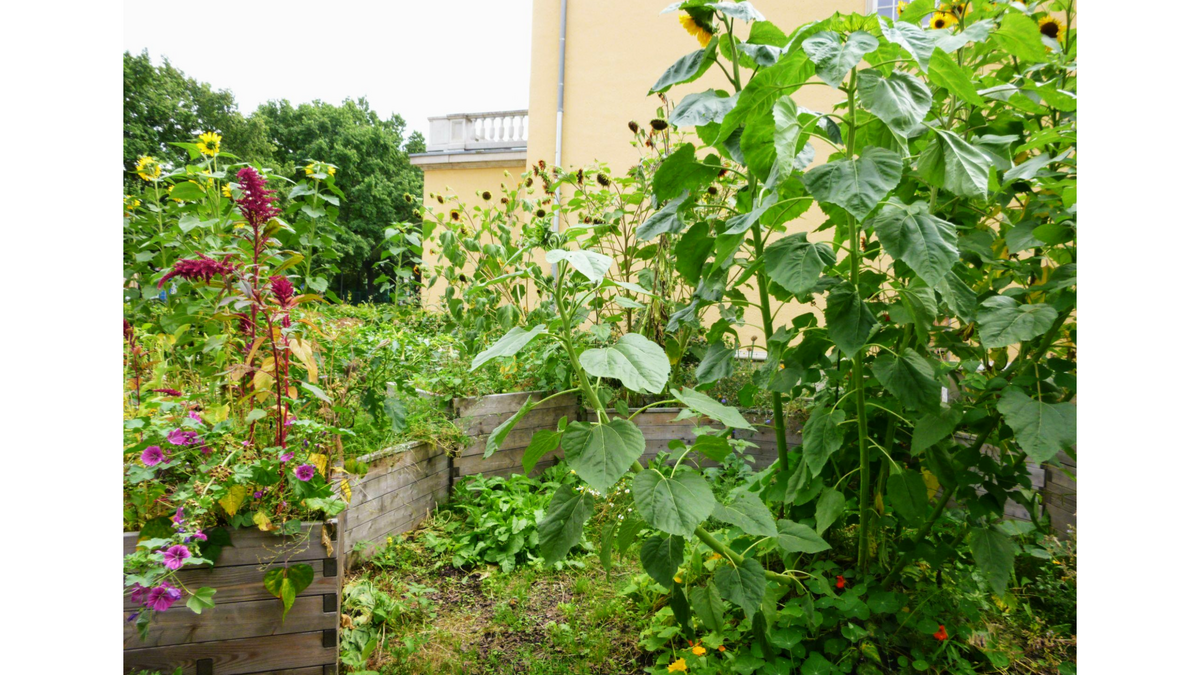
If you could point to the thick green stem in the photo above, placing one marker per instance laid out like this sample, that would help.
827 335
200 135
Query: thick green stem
764 301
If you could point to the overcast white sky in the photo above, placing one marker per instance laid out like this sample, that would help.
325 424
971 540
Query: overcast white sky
413 58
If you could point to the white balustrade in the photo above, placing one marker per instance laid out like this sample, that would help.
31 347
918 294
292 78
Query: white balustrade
479 131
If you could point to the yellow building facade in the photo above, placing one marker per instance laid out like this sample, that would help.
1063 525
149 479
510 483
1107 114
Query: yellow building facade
613 52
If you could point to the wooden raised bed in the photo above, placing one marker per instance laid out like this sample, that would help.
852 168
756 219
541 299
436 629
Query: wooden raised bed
245 632
478 416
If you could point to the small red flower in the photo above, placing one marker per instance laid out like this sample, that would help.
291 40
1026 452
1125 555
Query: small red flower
941 634
841 582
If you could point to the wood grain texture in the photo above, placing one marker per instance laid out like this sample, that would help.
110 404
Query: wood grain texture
238 657
229 621
244 583
253 547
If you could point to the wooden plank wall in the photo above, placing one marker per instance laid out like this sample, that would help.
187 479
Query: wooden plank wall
245 632
479 416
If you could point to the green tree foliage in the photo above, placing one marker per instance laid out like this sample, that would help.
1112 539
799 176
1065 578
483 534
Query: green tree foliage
373 170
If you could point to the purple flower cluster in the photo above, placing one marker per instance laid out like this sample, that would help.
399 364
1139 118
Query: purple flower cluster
159 598
257 203
203 267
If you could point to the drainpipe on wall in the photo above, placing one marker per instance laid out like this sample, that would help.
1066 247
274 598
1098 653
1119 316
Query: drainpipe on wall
562 70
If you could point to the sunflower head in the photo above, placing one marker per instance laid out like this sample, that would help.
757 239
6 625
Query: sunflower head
453 215
487 195
226 191
541 213
956 9
1052 28
658 124
698 23
942 20
148 168
210 143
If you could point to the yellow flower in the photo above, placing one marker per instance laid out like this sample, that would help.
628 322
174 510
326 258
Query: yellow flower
678 580
332 170
715 556
210 143
699 650
703 35
308 170
677 667
1052 28
148 168
131 203
225 191
942 20
900 7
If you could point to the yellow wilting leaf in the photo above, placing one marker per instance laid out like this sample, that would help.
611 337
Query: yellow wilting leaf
303 351
268 364
931 483
263 381
346 489
292 393
216 414
233 499
319 461
263 521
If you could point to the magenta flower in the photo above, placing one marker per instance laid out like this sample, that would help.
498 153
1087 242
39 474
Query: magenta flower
173 557
258 494
182 437
195 416
178 519
287 457
138 596
200 536
168 392
305 472
152 455
257 203
283 289
161 597
203 267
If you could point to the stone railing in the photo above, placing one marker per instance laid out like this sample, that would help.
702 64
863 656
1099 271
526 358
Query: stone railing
479 131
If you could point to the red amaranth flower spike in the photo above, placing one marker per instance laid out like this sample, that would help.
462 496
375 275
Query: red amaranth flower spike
203 267
257 203
283 290
168 391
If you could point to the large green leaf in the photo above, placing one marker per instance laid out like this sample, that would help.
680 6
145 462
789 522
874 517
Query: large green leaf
977 32
686 69
833 58
702 108
674 504
691 251
994 554
287 582
1003 321
661 557
638 363
910 379
717 364
680 171
858 184
769 142
911 233
822 437
952 163
705 405
709 606
602 452
748 512
900 100
849 322
829 508
664 221
744 221
1019 36
935 426
909 496
588 263
795 263
944 72
1041 429
496 438
961 299
563 525
799 538
543 441
512 342
743 585
913 39
764 89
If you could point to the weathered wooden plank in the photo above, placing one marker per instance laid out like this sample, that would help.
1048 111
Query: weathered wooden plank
245 582
538 418
499 460
518 438
384 504
239 657
397 456
372 529
230 621
509 471
397 479
478 406
254 547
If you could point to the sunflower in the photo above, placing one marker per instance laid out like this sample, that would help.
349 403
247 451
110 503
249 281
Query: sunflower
956 9
210 143
1052 28
225 191
148 168
131 203
942 20
702 33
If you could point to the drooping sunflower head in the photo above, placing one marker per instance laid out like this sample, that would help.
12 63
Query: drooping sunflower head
1052 28
956 9
942 20
210 143
698 23
453 215
148 168
487 195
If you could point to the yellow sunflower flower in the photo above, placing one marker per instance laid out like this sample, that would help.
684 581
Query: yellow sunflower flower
309 170
699 650
1052 28
677 667
942 20
332 170
225 191
131 203
702 34
957 9
210 143
148 168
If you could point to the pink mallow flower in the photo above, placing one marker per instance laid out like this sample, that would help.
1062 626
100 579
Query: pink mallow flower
173 557
305 472
153 455
161 597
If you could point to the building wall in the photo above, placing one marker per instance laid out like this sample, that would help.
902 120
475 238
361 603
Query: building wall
614 53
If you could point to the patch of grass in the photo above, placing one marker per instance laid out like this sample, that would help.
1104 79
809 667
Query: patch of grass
483 620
